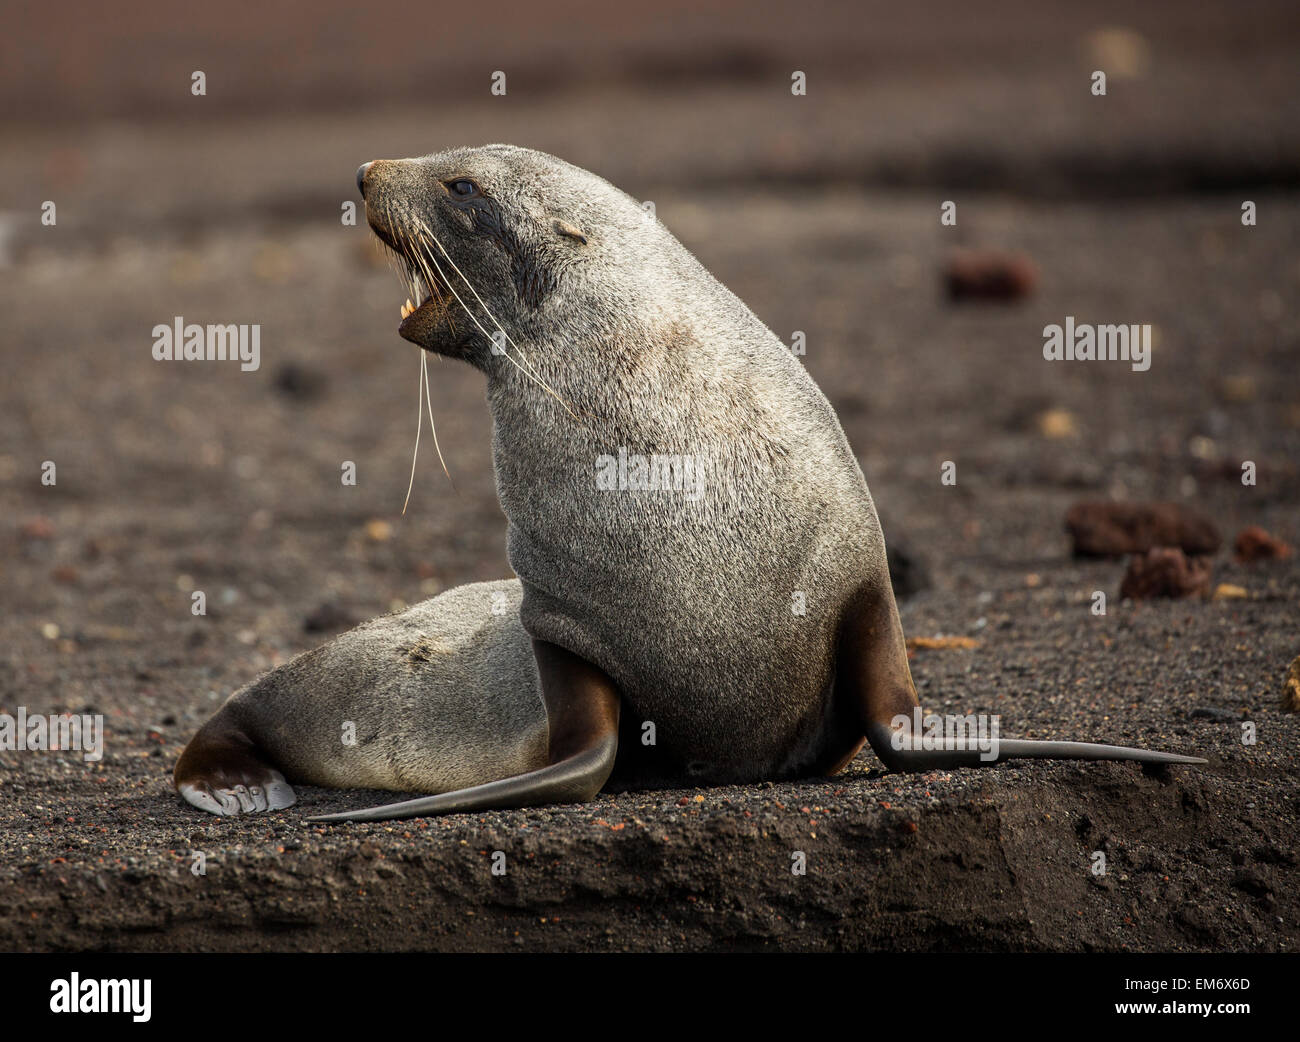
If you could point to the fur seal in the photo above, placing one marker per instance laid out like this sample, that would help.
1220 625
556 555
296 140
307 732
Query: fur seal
703 594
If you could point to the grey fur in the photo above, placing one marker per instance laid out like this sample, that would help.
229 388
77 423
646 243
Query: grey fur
688 606
441 696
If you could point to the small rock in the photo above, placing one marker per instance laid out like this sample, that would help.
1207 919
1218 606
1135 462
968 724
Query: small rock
1237 389
1291 691
378 531
907 572
1123 52
38 528
989 275
328 616
1056 424
1255 544
295 380
1229 592
1223 716
1165 572
1100 529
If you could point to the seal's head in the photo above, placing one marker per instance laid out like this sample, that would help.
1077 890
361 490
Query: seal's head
495 237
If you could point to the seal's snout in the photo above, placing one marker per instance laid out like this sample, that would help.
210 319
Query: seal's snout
386 186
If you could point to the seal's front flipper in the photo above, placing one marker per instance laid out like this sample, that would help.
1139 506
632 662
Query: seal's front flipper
582 710
874 680
223 772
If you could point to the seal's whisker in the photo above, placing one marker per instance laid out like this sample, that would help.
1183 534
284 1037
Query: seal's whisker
464 278
424 372
530 371
423 390
473 318
408 267
419 256
419 422
400 267
526 368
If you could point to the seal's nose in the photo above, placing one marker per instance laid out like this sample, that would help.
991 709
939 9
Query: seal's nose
361 177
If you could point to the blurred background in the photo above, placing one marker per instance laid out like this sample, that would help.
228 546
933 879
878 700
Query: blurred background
820 211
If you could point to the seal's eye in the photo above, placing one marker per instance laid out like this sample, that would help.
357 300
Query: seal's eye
462 188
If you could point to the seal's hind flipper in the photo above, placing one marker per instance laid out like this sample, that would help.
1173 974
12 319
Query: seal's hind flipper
874 680
569 781
582 711
222 771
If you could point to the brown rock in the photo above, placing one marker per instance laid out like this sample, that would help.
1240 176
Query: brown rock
1255 544
1057 424
1291 691
1101 529
1237 389
378 531
300 380
1229 592
989 275
328 616
38 528
1165 571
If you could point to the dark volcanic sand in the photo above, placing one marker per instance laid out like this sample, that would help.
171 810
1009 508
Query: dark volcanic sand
175 477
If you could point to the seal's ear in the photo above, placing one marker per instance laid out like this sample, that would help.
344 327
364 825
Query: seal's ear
569 231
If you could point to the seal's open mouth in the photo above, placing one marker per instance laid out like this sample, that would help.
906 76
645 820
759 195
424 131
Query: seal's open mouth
424 282
433 297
